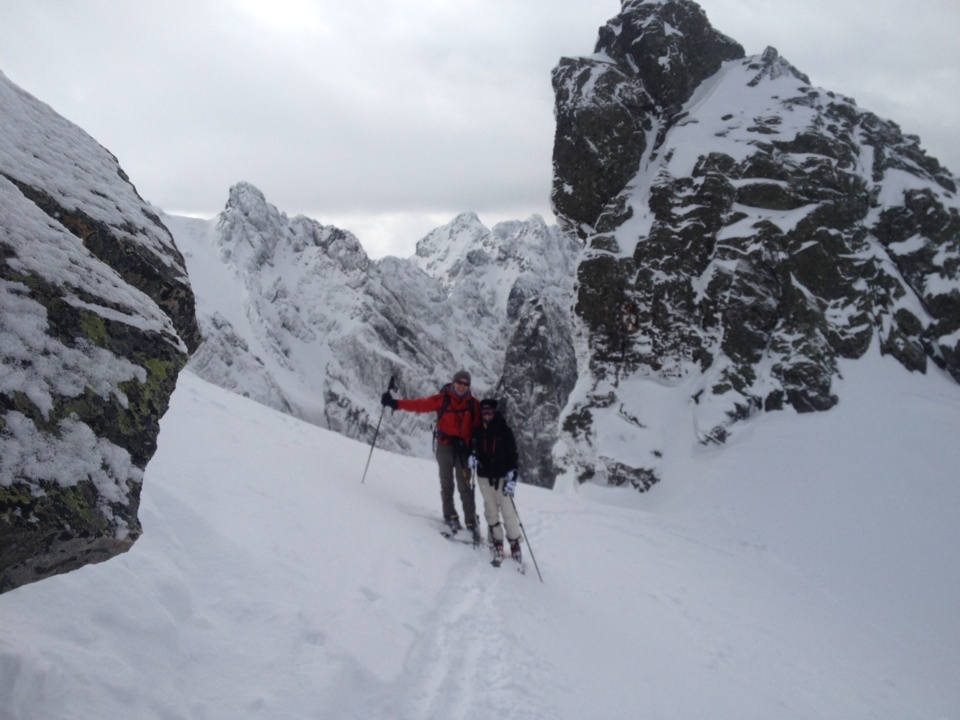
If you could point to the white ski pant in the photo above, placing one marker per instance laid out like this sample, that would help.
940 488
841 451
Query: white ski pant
495 504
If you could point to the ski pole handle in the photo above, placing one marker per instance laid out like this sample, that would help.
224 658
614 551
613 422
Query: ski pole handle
390 388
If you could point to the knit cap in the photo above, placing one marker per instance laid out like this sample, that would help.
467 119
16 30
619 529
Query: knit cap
462 375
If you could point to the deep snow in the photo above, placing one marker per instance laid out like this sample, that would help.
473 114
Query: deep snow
807 571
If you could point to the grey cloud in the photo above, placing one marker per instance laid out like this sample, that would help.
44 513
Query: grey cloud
407 110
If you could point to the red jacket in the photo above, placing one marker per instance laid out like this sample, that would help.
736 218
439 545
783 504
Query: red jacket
460 418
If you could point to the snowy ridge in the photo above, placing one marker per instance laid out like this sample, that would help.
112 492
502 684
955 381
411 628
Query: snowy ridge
776 581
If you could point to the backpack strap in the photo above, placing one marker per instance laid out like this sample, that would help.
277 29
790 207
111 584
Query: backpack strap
443 408
446 402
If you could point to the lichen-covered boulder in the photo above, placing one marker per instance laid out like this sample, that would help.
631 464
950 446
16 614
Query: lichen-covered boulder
96 320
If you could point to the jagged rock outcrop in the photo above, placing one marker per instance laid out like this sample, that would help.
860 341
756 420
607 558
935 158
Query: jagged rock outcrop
96 320
313 327
744 231
539 372
606 120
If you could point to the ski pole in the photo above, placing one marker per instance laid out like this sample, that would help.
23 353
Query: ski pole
526 539
390 388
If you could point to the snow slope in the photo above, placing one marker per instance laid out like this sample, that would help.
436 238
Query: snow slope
807 570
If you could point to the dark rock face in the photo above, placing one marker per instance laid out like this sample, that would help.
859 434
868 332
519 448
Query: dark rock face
97 320
539 372
744 231
646 64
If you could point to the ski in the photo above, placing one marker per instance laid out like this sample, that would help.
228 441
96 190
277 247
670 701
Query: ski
453 537
521 566
469 538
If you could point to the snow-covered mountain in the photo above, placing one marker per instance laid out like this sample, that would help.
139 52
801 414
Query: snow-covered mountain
740 230
744 230
804 568
295 315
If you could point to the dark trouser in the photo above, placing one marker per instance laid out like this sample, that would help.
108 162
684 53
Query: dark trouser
453 465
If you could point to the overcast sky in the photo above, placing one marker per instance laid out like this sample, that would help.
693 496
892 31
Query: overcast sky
388 118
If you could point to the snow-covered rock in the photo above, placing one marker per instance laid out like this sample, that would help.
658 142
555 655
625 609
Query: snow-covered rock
96 320
744 231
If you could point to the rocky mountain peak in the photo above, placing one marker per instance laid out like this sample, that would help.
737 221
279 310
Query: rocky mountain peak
647 62
254 233
744 231
248 202
444 251
669 46
770 66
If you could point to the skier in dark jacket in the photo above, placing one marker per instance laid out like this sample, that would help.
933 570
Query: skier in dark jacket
494 457
458 414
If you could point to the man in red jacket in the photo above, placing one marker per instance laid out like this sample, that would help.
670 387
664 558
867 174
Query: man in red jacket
458 415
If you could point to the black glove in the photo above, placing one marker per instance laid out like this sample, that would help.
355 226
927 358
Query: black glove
387 401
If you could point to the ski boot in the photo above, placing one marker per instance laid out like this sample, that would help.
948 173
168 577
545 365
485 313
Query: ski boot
453 524
474 529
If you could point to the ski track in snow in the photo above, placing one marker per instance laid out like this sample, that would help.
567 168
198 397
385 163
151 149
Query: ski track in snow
466 665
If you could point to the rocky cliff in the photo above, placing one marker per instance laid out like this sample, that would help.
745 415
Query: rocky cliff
744 229
96 320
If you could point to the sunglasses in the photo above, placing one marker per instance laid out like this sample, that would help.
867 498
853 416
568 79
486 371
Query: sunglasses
461 382
487 411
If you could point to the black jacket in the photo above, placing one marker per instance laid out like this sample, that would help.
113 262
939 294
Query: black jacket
495 448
